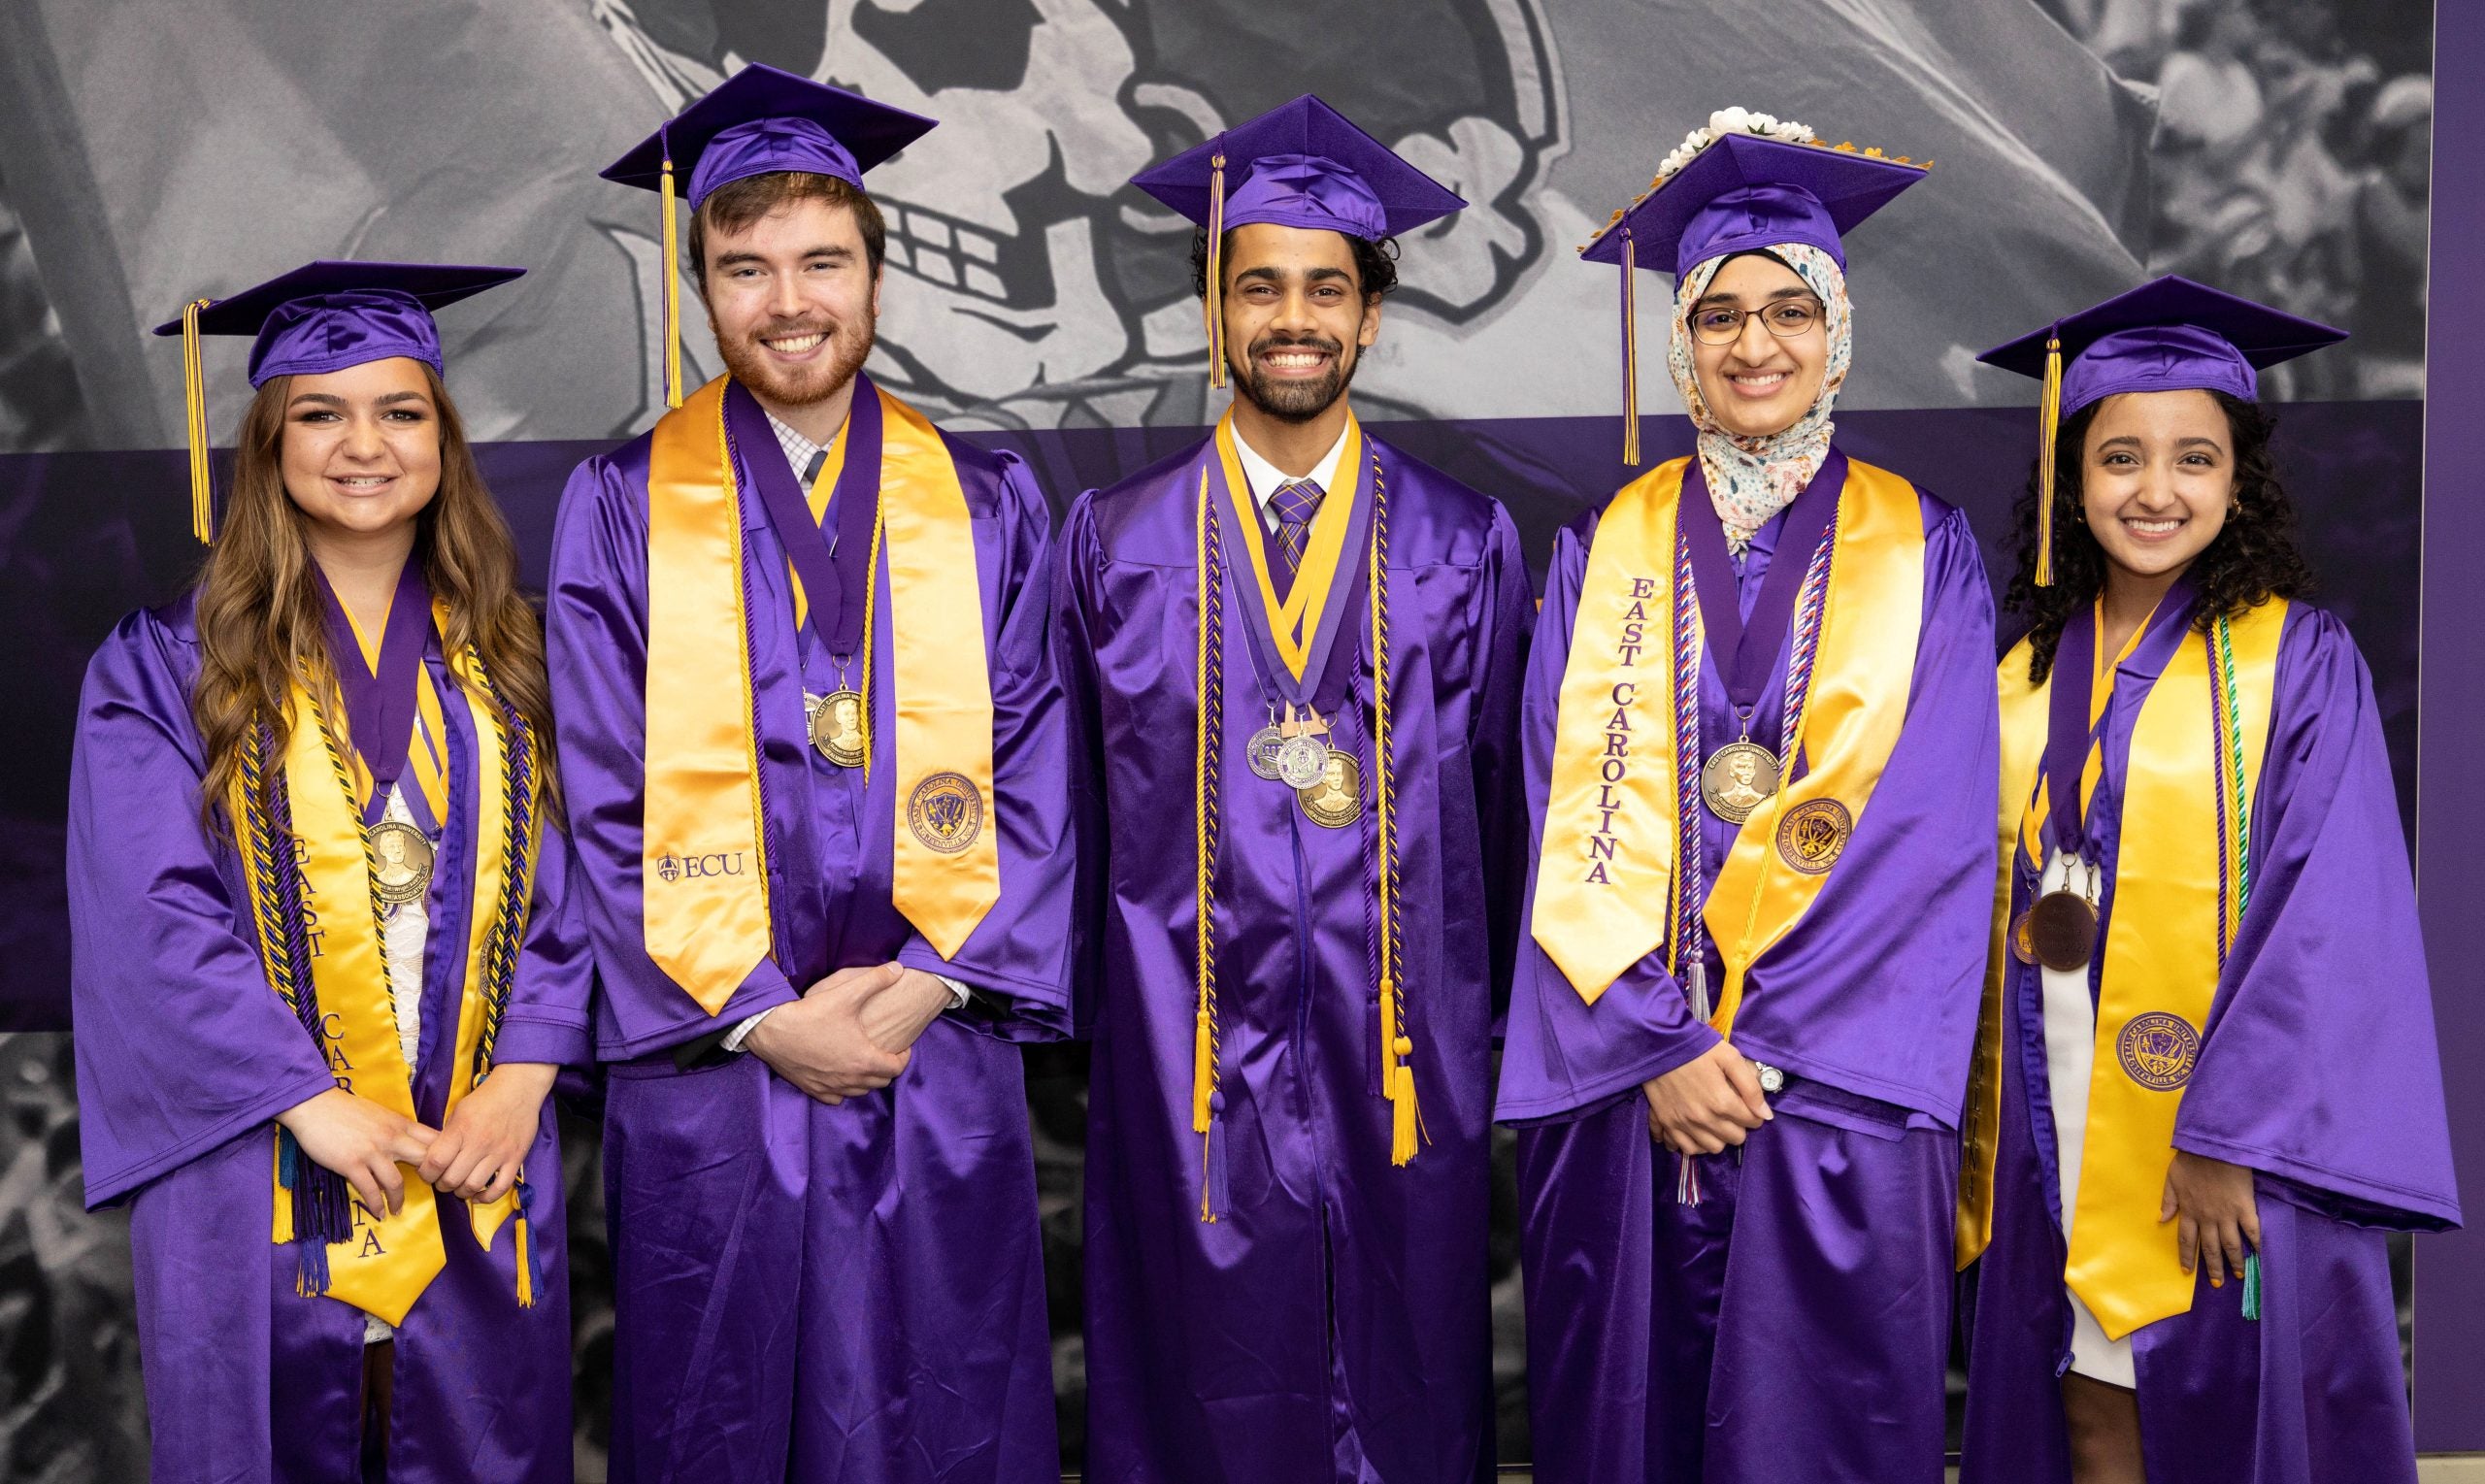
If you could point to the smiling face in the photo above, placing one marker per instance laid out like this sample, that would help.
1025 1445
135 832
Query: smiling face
792 299
360 451
1760 383
2157 479
1296 317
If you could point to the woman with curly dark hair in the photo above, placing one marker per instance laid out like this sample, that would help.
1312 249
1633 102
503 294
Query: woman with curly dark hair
2206 1051
322 971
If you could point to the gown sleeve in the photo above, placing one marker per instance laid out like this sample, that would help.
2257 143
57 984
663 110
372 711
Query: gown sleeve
1495 748
182 1044
1016 960
1562 1057
2318 1065
596 643
1075 557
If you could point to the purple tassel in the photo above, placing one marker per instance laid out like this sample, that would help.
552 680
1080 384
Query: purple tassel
1217 1195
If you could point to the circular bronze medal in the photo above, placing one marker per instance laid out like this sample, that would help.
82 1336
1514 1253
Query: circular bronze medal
2022 946
1334 799
1737 779
2062 930
837 728
1301 760
1265 746
400 862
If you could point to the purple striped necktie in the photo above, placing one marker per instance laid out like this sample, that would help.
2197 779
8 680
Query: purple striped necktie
1296 502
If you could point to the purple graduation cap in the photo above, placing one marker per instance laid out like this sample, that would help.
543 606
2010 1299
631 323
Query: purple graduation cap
1740 192
320 317
1302 164
759 121
2169 334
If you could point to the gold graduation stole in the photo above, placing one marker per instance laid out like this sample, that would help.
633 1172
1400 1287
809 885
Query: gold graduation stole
704 855
383 1262
2182 868
1615 809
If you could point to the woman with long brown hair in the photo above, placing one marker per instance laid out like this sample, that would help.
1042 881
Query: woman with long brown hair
323 974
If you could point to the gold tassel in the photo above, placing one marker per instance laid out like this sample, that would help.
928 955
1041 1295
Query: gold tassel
1630 352
1216 273
672 294
1397 1077
525 1269
194 398
2048 423
1203 1068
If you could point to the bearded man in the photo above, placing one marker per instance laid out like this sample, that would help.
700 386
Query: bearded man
816 778
1292 655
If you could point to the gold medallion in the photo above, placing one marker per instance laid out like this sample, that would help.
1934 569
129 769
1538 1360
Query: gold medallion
837 728
400 862
2023 947
1334 799
1737 779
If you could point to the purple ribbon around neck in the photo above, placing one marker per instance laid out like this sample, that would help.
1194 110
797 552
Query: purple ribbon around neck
381 707
1329 667
2069 737
1745 653
835 575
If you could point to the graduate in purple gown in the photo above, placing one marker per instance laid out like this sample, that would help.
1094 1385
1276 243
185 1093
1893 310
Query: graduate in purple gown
1292 657
1739 1036
2206 1083
817 789
321 968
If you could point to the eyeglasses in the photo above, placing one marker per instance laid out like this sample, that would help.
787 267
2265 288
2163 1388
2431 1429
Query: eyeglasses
1721 324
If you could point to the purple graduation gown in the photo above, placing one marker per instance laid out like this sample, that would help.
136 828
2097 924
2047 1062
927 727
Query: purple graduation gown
184 1055
806 1292
2318 1070
1797 1320
1334 1322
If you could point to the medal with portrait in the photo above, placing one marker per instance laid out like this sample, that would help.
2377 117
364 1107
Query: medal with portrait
401 860
1334 797
837 727
1737 779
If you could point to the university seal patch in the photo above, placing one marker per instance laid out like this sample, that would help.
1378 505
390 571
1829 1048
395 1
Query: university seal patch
945 813
2158 1050
1814 834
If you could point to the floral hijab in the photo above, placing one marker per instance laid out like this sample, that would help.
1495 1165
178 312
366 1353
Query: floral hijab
1752 478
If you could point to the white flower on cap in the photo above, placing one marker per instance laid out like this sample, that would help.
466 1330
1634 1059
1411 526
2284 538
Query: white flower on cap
1731 120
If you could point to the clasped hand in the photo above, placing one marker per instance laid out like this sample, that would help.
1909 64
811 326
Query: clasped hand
1707 1104
854 1033
477 1156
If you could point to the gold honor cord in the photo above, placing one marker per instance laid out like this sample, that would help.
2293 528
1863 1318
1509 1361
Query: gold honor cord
1397 1044
2174 861
1208 712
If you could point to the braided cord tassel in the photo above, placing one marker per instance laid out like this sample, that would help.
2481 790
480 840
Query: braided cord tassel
1207 1101
194 405
2234 846
1214 302
1397 1073
1629 350
1690 886
671 285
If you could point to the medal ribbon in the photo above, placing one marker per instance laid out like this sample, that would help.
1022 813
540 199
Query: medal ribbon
1309 616
1331 645
2077 713
837 571
1746 653
392 710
